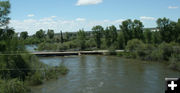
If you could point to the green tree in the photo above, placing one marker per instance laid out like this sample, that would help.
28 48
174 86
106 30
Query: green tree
127 28
50 34
166 28
4 12
148 36
121 42
6 33
107 37
67 36
81 39
156 37
40 34
177 32
24 35
97 33
113 34
138 29
61 37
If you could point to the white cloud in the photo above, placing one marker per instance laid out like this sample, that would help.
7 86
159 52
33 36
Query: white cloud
80 19
119 21
30 15
173 7
88 2
106 20
53 16
147 18
33 25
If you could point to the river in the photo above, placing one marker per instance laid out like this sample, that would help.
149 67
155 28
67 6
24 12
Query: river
106 74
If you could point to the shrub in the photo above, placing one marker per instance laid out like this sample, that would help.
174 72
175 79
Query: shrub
35 79
62 47
167 50
50 73
144 51
156 55
47 46
134 44
13 86
63 69
53 72
174 62
135 47
120 54
111 51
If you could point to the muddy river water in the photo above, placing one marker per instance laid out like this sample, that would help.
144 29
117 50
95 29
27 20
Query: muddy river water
106 74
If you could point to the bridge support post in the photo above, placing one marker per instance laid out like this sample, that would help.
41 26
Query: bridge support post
79 53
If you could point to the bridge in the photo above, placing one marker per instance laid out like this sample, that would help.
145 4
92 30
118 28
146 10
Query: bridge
98 52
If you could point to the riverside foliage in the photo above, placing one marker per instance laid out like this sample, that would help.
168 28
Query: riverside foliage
18 68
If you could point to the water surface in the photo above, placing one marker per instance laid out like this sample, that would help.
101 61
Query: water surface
106 74
31 48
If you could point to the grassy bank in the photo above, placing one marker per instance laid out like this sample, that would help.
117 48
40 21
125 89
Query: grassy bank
38 73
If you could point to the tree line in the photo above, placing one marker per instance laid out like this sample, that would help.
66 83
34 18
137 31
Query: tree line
109 37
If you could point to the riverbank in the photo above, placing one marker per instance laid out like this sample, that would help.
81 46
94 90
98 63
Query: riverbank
37 74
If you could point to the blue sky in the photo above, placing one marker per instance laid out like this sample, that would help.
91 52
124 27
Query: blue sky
71 15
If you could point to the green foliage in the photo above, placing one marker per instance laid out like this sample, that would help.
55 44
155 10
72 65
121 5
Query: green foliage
167 50
111 51
167 29
14 67
63 47
177 30
156 37
127 28
138 29
51 73
62 69
97 33
35 79
32 40
13 86
67 36
110 36
4 12
61 37
134 45
81 39
50 34
113 34
40 34
6 34
121 41
107 37
162 52
47 46
90 43
175 62
148 36
156 55
24 35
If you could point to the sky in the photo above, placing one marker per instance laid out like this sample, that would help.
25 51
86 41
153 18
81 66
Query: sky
72 15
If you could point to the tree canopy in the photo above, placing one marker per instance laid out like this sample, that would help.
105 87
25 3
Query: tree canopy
4 12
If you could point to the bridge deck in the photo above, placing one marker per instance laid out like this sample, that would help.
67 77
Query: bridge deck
71 53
